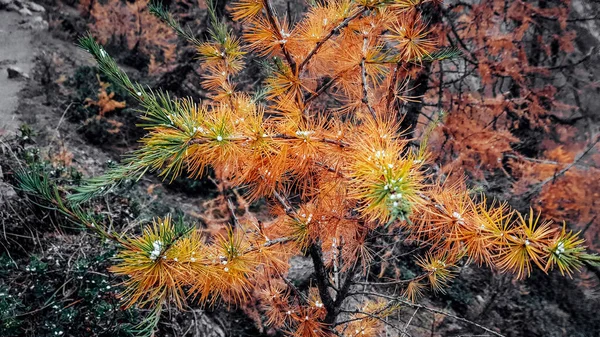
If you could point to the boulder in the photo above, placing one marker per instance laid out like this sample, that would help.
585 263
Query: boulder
25 12
12 7
35 7
5 3
37 23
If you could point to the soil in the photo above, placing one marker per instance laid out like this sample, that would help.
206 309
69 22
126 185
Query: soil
17 51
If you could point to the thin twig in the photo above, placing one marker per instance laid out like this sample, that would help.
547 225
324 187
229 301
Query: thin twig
410 320
433 310
286 206
277 136
363 70
576 63
392 88
540 185
459 40
335 30
231 208
544 161
275 25
417 278
374 316
324 87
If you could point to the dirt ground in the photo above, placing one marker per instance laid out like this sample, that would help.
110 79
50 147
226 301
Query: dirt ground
16 50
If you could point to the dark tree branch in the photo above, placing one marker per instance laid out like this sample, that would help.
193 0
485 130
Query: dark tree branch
365 85
322 279
275 25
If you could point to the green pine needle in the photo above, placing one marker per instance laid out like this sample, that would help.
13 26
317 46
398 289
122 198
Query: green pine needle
106 183
146 327
106 64
159 110
443 54
218 28
160 11
43 192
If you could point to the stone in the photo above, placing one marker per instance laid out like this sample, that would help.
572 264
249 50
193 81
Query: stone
5 3
35 7
25 12
11 7
15 72
37 23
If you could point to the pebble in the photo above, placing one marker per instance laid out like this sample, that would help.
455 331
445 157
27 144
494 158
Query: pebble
16 72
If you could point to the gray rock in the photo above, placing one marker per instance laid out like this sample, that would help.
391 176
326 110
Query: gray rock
11 7
300 269
4 3
37 23
16 72
6 192
35 7
25 12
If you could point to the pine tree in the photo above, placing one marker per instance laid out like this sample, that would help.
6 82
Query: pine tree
321 141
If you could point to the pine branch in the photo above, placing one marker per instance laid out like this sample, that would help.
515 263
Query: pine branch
271 17
104 184
326 38
218 30
108 66
439 55
157 9
36 183
159 111
431 126
322 279
146 327
365 85
450 53
157 104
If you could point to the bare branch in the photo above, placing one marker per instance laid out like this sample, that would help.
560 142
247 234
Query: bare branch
275 25
433 310
365 85
537 187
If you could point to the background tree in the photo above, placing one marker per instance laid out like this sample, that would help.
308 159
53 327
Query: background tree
515 110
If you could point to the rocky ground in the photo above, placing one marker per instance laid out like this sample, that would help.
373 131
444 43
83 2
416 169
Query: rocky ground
16 55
